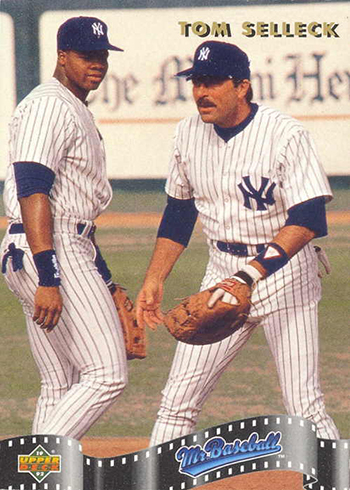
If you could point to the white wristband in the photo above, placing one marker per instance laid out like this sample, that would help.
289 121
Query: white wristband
252 272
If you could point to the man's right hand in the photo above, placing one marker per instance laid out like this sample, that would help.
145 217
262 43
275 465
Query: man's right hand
148 304
48 305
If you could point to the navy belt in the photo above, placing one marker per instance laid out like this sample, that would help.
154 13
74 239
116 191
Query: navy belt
16 228
81 227
19 228
240 249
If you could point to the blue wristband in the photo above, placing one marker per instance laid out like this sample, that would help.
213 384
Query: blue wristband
48 268
272 258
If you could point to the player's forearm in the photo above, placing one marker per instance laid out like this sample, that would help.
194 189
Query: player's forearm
291 239
165 255
37 221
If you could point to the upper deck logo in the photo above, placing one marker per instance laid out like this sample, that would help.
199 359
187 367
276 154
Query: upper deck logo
39 463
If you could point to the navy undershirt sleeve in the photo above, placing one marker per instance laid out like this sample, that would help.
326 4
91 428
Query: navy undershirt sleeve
32 178
228 133
311 214
178 220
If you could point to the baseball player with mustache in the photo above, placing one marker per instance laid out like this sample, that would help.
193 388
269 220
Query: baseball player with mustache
56 186
253 176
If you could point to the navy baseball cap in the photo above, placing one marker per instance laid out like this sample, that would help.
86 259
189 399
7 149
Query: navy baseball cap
84 34
218 59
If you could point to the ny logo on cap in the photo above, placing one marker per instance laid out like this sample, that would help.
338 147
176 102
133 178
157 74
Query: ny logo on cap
97 29
203 54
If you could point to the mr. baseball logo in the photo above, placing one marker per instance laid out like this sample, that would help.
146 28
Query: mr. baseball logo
39 463
249 192
217 453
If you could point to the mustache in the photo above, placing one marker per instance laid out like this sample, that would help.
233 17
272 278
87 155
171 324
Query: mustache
204 102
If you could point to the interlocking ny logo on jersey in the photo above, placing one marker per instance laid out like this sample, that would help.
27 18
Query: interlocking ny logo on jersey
39 463
262 196
203 54
97 28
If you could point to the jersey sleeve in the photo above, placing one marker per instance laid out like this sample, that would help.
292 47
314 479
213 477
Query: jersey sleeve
41 132
178 184
304 176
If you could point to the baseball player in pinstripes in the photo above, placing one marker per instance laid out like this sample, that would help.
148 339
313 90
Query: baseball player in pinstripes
56 185
253 176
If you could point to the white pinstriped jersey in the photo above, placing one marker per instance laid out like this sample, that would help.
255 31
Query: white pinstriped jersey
243 188
80 376
67 142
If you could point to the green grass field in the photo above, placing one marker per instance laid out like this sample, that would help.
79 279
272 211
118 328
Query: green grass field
248 388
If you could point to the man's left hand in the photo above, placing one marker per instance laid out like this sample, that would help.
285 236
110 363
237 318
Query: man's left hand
48 306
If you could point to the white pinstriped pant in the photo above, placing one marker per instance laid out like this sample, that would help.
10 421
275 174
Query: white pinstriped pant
285 305
82 362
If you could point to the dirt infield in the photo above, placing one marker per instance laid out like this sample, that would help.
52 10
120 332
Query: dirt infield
120 220
149 220
263 480
146 220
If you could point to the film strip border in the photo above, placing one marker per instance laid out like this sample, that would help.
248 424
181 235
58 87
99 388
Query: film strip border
333 463
274 442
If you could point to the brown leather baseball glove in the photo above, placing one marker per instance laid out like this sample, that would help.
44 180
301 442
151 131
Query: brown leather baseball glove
134 334
192 322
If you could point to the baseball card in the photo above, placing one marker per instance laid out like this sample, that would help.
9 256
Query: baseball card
174 245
